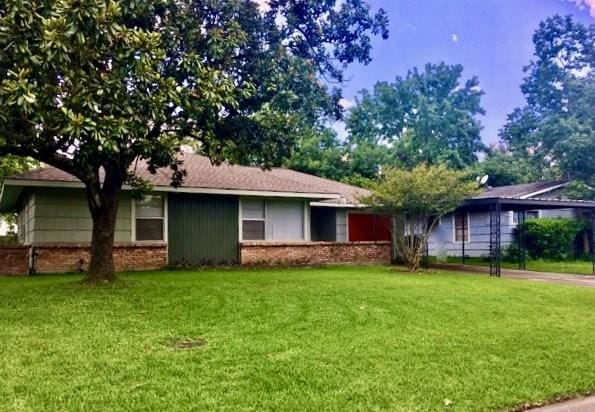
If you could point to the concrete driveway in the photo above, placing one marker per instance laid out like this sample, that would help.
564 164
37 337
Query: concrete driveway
575 405
561 278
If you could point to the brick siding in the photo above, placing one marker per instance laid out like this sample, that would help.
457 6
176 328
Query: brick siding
14 260
54 258
314 253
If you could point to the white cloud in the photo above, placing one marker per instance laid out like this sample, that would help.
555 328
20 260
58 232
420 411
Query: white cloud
455 38
585 4
346 103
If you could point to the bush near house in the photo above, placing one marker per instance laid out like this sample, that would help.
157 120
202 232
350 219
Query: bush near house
552 238
8 240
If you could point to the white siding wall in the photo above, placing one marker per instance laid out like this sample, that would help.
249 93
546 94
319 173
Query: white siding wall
442 242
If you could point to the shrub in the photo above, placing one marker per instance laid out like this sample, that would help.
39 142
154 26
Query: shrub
552 238
512 253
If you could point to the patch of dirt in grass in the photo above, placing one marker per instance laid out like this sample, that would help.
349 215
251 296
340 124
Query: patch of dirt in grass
186 344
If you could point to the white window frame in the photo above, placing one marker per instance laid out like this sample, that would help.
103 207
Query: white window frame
306 235
511 218
241 221
165 198
454 229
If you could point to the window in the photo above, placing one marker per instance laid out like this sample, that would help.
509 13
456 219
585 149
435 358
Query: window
253 220
461 227
281 220
514 217
149 218
532 214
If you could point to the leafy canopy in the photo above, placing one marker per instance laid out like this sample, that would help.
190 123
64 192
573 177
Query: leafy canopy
504 168
416 199
423 191
94 84
556 128
429 116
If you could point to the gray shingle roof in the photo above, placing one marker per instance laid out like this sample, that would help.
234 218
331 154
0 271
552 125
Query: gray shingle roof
203 174
519 191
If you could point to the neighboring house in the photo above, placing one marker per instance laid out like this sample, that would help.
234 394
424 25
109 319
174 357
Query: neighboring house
221 215
473 227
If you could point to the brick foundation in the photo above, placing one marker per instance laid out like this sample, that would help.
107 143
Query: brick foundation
14 260
53 258
314 253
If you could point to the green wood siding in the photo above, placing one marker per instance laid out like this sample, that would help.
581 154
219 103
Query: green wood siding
202 229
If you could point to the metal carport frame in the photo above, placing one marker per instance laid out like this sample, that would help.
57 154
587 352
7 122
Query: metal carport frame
496 205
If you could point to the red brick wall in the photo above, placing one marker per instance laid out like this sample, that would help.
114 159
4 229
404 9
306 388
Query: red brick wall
314 253
71 258
14 260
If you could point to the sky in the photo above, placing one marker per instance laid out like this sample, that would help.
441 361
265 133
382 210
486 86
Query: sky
492 39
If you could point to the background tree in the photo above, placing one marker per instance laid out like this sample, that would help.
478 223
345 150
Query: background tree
416 200
10 165
504 168
556 128
320 153
427 117
91 86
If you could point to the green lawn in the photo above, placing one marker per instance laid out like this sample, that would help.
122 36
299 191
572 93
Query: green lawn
580 267
338 339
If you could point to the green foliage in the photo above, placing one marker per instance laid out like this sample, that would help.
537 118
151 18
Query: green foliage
556 129
10 165
579 190
416 199
552 238
112 81
429 116
503 169
423 191
319 153
9 240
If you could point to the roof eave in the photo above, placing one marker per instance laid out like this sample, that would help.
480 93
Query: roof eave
542 191
183 189
9 196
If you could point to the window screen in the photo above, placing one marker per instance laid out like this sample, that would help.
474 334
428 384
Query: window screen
149 218
272 219
253 230
253 219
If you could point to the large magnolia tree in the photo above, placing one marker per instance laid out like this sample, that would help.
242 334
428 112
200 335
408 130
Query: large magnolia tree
92 86
416 200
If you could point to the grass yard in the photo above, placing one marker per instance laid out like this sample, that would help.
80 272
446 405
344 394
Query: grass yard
579 267
331 339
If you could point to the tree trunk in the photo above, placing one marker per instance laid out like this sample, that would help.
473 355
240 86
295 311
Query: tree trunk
103 204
